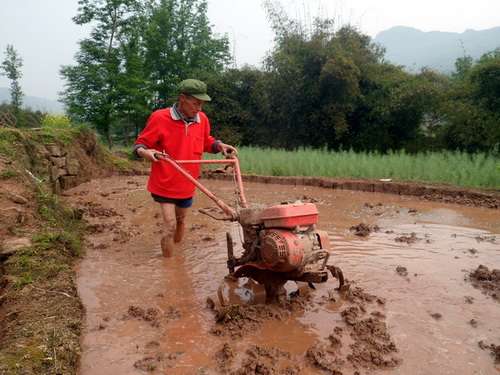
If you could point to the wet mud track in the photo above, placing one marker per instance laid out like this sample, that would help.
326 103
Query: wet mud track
414 307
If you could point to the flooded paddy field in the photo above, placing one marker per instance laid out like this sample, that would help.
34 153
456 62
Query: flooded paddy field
417 302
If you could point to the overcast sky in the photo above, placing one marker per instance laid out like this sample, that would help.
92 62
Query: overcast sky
46 38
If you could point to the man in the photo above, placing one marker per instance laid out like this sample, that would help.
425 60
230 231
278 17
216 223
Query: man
183 133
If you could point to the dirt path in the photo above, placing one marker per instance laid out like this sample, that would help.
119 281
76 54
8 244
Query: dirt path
409 277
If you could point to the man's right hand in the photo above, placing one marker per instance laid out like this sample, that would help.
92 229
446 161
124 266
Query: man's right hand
151 154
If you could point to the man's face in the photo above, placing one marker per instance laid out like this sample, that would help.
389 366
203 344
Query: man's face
189 105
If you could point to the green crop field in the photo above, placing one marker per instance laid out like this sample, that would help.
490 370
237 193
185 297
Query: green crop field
454 168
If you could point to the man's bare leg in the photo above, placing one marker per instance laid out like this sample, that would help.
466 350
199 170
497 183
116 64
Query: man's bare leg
167 241
180 216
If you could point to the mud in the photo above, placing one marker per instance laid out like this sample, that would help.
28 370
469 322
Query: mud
236 321
486 280
264 360
407 238
436 193
95 210
379 325
151 314
494 350
363 230
402 271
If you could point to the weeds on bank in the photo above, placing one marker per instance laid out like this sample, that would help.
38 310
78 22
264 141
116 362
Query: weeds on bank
59 240
58 128
120 163
43 333
10 141
8 174
455 168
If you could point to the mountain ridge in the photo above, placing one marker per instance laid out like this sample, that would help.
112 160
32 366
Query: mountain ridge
415 49
34 102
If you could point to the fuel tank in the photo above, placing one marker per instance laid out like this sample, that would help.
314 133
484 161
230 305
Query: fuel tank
290 215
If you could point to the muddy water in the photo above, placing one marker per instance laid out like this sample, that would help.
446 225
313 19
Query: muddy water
123 269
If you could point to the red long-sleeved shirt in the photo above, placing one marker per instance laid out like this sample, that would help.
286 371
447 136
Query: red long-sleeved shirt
164 131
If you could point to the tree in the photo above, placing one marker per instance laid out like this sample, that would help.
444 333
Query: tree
135 55
316 78
92 89
179 44
238 106
472 110
133 85
11 67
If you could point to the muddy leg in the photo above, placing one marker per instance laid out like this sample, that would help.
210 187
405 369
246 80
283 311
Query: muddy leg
180 217
167 241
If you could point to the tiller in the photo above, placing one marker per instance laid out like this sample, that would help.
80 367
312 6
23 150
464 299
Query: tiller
280 242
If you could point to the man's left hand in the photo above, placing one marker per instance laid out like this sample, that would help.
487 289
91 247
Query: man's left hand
227 150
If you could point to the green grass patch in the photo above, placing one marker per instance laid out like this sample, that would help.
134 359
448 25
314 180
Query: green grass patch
454 168
42 337
8 174
41 262
10 140
58 128
121 163
125 152
54 246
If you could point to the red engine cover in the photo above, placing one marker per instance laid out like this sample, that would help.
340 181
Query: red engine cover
282 250
290 215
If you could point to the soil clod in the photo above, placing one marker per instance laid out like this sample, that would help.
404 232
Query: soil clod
494 349
407 238
363 230
486 280
402 271
151 314
322 358
437 315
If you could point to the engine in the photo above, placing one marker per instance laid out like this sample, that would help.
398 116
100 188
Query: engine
282 238
284 250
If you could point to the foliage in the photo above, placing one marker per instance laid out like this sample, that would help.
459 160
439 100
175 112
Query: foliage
327 85
238 104
471 110
322 85
10 141
91 93
56 121
179 44
21 117
11 67
58 128
136 54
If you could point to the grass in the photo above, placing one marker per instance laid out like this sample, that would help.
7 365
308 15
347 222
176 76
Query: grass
58 128
454 168
43 328
121 164
10 140
8 174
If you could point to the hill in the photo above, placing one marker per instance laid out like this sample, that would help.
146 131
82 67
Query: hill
34 102
435 49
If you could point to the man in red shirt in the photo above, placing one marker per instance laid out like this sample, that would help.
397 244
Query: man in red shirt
183 133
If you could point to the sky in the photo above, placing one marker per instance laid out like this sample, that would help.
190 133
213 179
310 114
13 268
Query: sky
45 37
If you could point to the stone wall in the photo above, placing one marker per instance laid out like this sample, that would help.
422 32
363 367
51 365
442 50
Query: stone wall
64 168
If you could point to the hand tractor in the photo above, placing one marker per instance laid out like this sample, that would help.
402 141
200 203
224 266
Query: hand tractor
280 242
